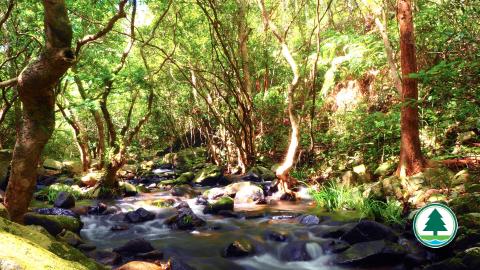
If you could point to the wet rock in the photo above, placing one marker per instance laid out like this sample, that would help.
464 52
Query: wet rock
334 246
239 248
229 214
209 176
54 224
139 215
56 212
119 227
295 251
64 200
224 203
177 264
183 191
139 265
308 220
367 230
201 201
134 247
99 209
276 236
184 219
378 252
251 177
105 257
468 259
334 231
153 255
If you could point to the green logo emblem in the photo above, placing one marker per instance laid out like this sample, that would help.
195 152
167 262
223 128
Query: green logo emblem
435 225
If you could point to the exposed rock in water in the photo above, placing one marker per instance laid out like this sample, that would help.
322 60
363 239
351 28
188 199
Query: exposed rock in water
378 252
184 219
239 248
214 193
276 236
367 230
183 191
54 224
64 200
139 265
334 246
295 251
99 209
105 257
134 247
250 194
139 215
129 189
308 220
224 203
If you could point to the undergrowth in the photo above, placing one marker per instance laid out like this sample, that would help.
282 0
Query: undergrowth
335 197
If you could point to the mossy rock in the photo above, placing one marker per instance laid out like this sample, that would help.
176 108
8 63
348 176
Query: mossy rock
224 203
54 224
262 172
187 159
386 168
209 176
470 220
52 164
163 203
184 178
461 177
32 249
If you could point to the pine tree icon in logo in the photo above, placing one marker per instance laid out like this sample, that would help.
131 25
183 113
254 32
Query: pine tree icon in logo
435 223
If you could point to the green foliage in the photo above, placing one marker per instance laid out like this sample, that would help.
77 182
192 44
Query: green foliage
335 197
50 193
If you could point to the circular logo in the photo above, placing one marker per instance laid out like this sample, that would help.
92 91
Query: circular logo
435 225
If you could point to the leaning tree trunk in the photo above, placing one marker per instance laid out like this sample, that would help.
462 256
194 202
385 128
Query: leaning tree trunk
283 171
411 158
35 89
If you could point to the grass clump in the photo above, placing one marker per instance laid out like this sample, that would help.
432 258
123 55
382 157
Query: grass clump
50 193
336 197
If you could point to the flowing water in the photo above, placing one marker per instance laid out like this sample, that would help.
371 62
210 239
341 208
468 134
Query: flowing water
202 248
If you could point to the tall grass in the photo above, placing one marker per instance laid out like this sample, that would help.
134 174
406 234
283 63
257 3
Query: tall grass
335 197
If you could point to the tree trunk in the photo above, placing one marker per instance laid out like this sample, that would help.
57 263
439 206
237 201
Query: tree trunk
100 150
35 88
411 158
283 171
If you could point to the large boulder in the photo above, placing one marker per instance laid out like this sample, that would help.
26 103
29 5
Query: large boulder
211 175
245 192
187 159
54 224
139 215
296 251
239 248
378 252
64 200
52 164
250 194
263 173
5 158
73 167
91 179
184 178
367 230
133 247
183 191
33 248
223 204
184 219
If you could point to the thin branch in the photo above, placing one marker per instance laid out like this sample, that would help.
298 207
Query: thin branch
10 6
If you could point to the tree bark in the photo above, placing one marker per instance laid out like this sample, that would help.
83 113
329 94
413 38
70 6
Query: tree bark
80 136
411 158
35 88
283 171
